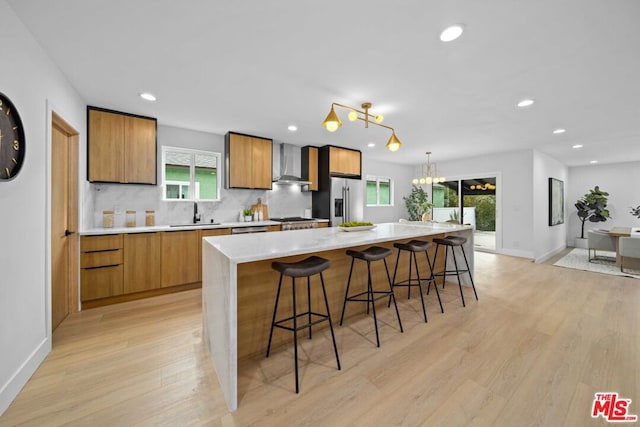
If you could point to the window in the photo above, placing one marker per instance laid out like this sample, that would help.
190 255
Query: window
190 174
379 191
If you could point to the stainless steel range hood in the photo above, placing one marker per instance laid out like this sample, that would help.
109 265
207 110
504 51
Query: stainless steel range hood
287 165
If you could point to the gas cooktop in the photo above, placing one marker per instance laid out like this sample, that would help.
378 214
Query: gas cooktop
291 219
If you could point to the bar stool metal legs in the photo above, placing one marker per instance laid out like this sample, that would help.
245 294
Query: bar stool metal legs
370 296
413 247
453 242
306 268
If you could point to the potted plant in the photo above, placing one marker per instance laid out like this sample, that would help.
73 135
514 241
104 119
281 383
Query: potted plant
248 215
591 207
417 203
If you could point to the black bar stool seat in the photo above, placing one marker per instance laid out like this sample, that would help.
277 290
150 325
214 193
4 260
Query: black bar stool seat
452 242
456 239
413 247
373 253
305 268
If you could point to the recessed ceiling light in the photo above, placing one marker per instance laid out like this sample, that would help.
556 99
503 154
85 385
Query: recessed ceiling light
559 131
293 128
577 146
371 144
148 96
593 162
525 103
451 33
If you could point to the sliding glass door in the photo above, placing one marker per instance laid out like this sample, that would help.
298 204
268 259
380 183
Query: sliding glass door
479 206
468 201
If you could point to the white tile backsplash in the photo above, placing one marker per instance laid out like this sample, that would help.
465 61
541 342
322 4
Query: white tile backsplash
282 201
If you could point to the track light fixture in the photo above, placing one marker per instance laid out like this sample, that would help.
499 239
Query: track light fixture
332 122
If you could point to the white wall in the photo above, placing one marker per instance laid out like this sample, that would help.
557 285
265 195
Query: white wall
34 84
513 194
620 180
548 240
401 175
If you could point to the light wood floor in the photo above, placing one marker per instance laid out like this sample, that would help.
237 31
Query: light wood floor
533 351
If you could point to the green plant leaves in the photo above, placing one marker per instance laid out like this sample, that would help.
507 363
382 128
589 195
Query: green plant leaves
417 203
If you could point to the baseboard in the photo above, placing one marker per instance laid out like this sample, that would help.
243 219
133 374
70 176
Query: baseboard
549 255
12 387
515 252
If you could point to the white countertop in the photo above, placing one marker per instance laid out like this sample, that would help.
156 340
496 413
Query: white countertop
255 247
182 227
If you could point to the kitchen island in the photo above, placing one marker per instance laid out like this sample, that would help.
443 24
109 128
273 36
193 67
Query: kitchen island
239 286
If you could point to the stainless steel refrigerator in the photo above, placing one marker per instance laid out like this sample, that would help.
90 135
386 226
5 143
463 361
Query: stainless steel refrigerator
339 200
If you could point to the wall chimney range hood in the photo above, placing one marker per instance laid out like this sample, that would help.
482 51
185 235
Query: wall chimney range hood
286 164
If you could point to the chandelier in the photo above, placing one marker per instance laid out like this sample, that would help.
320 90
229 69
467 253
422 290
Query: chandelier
483 187
332 122
431 175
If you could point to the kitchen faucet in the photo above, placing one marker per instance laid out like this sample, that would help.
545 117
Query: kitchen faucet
196 216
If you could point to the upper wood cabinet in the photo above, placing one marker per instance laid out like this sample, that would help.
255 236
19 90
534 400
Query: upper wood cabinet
310 166
249 161
345 162
121 147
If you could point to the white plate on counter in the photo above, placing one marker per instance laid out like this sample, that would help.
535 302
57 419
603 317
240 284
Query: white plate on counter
359 228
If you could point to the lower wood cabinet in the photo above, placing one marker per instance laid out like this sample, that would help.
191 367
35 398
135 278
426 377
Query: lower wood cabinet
214 232
101 282
180 258
141 262
101 267
119 267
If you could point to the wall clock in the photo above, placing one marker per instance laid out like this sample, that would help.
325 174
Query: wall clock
12 144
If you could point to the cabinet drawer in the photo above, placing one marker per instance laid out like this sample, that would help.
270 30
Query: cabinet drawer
101 243
101 259
100 282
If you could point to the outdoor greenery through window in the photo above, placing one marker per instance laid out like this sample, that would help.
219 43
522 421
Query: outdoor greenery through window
379 191
190 174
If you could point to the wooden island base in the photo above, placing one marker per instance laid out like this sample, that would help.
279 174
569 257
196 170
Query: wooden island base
238 295
258 283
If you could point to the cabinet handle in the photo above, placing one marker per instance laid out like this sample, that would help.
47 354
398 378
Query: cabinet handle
102 266
68 233
101 250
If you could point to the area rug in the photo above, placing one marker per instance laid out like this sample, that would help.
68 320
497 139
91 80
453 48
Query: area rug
606 263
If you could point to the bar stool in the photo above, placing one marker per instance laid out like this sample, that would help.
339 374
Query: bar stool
413 247
374 253
453 242
305 268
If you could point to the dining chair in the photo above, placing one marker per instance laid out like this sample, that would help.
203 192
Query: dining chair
600 240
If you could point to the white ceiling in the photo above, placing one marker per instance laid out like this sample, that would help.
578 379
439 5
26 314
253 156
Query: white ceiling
258 66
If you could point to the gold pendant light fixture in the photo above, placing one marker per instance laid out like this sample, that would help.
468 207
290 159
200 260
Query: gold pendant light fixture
332 122
431 175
